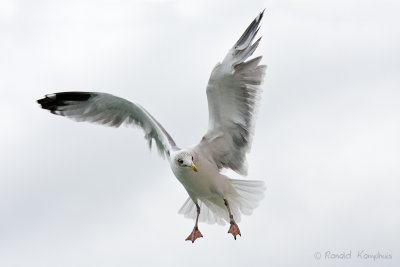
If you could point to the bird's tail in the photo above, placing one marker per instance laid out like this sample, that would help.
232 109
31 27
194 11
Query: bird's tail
243 197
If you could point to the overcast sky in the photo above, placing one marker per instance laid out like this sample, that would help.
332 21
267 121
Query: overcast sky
326 143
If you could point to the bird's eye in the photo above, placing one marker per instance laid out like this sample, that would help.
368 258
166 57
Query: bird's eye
180 161
192 158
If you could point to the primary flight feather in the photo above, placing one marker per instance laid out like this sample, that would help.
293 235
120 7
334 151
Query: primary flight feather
233 92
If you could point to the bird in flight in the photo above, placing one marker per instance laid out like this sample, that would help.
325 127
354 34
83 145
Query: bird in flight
233 91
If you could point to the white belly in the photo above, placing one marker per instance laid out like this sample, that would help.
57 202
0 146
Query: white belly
206 182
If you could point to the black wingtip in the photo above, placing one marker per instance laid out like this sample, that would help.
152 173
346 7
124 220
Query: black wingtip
250 31
262 12
51 102
261 15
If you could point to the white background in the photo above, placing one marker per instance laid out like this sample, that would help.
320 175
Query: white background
326 144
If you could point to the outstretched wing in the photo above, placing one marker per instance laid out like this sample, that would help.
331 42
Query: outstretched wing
108 110
233 92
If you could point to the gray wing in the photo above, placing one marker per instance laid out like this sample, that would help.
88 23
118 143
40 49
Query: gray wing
233 91
108 110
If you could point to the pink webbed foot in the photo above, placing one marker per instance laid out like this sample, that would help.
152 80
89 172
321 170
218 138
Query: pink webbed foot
194 235
234 230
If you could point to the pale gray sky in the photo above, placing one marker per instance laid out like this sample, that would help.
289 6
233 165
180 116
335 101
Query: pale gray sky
326 143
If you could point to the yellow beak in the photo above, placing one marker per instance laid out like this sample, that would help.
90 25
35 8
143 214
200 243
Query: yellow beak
193 167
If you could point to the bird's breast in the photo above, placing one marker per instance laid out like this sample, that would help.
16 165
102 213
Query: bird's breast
201 183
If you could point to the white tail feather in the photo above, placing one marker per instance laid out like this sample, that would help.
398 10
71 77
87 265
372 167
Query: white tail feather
243 197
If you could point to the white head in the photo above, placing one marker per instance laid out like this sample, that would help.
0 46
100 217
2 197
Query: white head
184 159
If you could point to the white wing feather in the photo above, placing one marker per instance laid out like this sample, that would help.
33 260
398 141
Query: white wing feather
108 110
233 92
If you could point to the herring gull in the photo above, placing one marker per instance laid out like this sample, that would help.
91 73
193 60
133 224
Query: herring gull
233 91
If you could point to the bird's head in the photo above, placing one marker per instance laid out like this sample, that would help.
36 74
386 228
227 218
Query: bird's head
184 159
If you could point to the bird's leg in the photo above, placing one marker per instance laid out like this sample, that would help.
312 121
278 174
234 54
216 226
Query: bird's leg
234 229
195 233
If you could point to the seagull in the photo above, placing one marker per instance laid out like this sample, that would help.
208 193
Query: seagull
233 93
